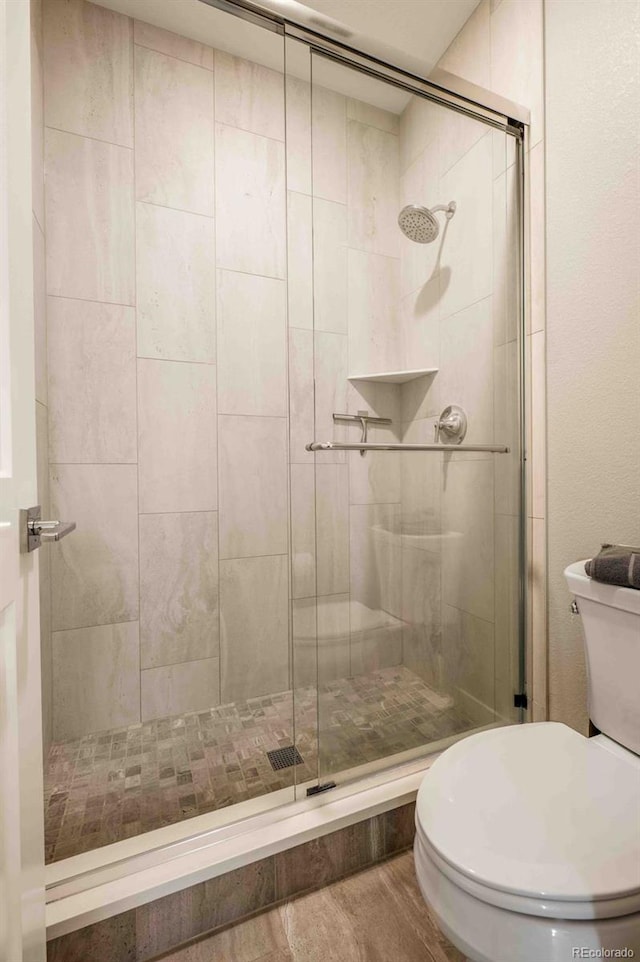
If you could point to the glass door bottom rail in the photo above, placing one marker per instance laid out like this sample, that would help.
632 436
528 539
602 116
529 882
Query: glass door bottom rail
112 785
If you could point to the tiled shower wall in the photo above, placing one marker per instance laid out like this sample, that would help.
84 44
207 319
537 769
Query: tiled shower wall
501 48
168 380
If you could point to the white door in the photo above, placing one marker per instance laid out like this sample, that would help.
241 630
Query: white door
22 928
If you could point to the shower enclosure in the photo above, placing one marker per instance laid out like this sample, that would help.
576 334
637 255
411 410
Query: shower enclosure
289 431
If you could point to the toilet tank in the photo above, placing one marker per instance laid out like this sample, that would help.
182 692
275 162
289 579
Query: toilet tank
611 624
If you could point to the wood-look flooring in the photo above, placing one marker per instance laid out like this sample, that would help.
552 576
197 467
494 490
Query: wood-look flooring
377 915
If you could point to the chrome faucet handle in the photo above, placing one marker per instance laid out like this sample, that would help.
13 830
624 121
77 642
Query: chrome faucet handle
452 423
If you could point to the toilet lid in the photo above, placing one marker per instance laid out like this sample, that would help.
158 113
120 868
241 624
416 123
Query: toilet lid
537 810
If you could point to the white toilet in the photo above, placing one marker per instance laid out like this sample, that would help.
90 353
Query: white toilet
527 841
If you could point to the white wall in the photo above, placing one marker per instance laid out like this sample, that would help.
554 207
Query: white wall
593 293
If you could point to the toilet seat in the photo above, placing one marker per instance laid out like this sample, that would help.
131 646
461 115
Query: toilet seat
536 819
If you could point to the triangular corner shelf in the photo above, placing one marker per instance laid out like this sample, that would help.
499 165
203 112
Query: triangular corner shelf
394 377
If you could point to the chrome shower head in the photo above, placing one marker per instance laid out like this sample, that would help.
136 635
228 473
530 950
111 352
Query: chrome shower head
420 224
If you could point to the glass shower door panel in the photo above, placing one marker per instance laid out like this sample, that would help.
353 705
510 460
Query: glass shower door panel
417 554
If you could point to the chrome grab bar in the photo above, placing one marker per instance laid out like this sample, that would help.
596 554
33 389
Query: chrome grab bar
377 446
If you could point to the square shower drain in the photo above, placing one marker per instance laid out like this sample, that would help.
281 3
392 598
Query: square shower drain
285 757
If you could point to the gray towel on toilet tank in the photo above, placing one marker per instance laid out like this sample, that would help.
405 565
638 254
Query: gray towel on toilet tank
617 564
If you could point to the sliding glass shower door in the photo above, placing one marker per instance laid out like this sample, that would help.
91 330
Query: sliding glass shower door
405 335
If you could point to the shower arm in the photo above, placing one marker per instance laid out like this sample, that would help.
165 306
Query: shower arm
449 209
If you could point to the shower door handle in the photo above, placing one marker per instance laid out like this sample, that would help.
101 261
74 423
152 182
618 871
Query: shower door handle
34 531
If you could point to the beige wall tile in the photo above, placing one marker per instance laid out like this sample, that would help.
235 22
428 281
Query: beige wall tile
374 478
95 569
178 588
466 368
37 125
422 649
457 134
332 525
469 54
418 127
420 338
40 311
254 627
466 259
375 563
506 314
174 132
184 48
468 550
92 413
329 266
469 663
174 689
538 425
300 260
96 679
250 203
373 116
329 122
253 486
374 296
177 458
88 81
507 627
301 395
249 95
303 530
175 277
330 372
252 345
507 428
517 26
421 487
537 237
298 129
373 170
89 219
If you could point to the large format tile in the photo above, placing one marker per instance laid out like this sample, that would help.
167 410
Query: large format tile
298 139
468 551
373 116
184 48
257 939
249 95
92 381
37 125
95 569
375 562
177 457
186 687
253 486
466 368
96 675
329 266
254 622
174 132
470 662
303 530
39 312
329 128
88 81
175 278
374 296
113 938
174 919
89 219
421 615
466 247
376 477
421 489
332 525
330 379
321 643
301 395
300 263
373 189
250 202
252 345
178 587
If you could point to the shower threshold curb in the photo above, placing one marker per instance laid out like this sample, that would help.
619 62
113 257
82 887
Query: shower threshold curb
254 838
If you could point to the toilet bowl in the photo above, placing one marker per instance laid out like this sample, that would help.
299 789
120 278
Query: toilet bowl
527 843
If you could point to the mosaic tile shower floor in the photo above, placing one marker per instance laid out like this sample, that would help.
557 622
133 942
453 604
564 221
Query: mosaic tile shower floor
114 784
